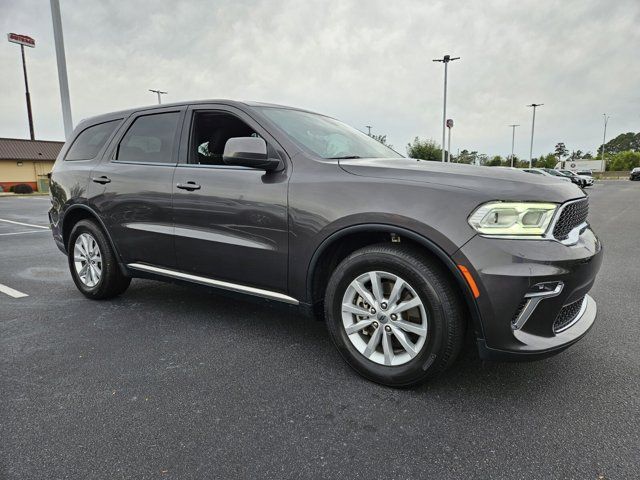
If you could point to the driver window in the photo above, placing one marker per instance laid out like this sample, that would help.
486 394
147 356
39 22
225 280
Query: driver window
210 132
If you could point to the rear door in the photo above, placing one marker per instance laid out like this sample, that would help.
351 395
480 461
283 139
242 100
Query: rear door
131 187
230 221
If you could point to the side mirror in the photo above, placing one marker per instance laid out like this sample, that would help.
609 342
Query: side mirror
249 152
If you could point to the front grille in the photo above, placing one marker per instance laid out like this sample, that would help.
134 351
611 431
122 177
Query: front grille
567 316
572 215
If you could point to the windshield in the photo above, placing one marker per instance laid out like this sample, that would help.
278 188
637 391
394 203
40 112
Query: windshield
326 137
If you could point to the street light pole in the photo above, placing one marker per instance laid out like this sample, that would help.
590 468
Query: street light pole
446 59
604 135
62 68
26 92
449 147
533 126
513 140
159 92
24 40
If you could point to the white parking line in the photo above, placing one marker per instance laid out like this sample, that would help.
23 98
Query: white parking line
11 292
22 223
20 233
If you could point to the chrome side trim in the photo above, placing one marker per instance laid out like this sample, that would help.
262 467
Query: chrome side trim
534 299
234 287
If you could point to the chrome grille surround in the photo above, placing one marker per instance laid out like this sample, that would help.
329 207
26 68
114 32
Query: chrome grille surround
572 215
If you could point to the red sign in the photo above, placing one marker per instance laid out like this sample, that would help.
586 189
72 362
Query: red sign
21 39
449 123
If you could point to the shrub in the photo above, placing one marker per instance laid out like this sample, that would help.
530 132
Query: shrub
22 188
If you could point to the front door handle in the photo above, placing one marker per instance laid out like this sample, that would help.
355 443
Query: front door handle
191 186
102 180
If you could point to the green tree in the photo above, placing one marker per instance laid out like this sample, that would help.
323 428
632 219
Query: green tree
424 149
467 157
576 154
560 151
624 161
622 143
496 161
382 139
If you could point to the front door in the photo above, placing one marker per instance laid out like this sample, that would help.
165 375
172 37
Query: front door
230 222
131 187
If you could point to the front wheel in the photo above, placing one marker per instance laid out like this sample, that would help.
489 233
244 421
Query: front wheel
394 314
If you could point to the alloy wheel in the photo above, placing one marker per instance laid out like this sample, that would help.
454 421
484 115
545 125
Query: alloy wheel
87 260
384 318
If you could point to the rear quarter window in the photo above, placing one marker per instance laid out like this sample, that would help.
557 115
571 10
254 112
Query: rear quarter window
87 145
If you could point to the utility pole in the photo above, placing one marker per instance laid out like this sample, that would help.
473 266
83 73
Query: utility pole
159 92
513 140
446 59
604 135
62 68
23 41
369 128
533 126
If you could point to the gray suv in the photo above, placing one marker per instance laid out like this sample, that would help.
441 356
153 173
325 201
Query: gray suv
399 256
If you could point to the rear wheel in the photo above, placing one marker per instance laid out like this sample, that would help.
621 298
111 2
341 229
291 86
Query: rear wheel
394 314
93 264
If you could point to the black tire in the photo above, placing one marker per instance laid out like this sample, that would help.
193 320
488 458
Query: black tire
112 282
440 297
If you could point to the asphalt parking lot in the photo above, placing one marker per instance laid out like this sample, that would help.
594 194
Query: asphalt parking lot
175 382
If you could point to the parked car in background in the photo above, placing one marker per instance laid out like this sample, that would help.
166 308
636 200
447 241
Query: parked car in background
635 174
297 207
543 171
587 173
573 177
582 180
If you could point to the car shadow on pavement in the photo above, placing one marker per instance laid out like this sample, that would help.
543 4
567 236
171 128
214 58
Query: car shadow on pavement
202 307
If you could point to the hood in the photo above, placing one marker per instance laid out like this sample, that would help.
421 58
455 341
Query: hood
499 183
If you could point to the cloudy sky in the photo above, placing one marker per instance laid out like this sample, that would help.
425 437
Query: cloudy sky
365 62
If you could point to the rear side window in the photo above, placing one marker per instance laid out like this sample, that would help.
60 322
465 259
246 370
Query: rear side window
87 145
150 139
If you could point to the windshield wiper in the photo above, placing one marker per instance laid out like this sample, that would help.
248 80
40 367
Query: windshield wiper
346 157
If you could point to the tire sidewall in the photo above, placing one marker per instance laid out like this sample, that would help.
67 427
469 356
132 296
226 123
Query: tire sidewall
420 366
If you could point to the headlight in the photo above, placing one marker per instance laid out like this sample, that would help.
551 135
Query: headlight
512 218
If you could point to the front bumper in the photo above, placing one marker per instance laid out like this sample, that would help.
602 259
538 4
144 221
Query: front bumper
506 272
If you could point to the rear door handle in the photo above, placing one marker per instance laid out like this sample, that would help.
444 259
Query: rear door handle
103 179
191 186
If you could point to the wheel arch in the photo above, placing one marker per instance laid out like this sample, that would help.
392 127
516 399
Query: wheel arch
330 251
77 212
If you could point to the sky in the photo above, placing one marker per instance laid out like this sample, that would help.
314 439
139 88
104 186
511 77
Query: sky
364 62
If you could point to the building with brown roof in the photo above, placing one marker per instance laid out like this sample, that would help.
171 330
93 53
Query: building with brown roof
27 161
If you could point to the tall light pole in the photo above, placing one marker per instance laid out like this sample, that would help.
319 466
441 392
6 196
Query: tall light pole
24 40
446 59
533 126
513 140
368 127
159 92
604 135
62 68
449 124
